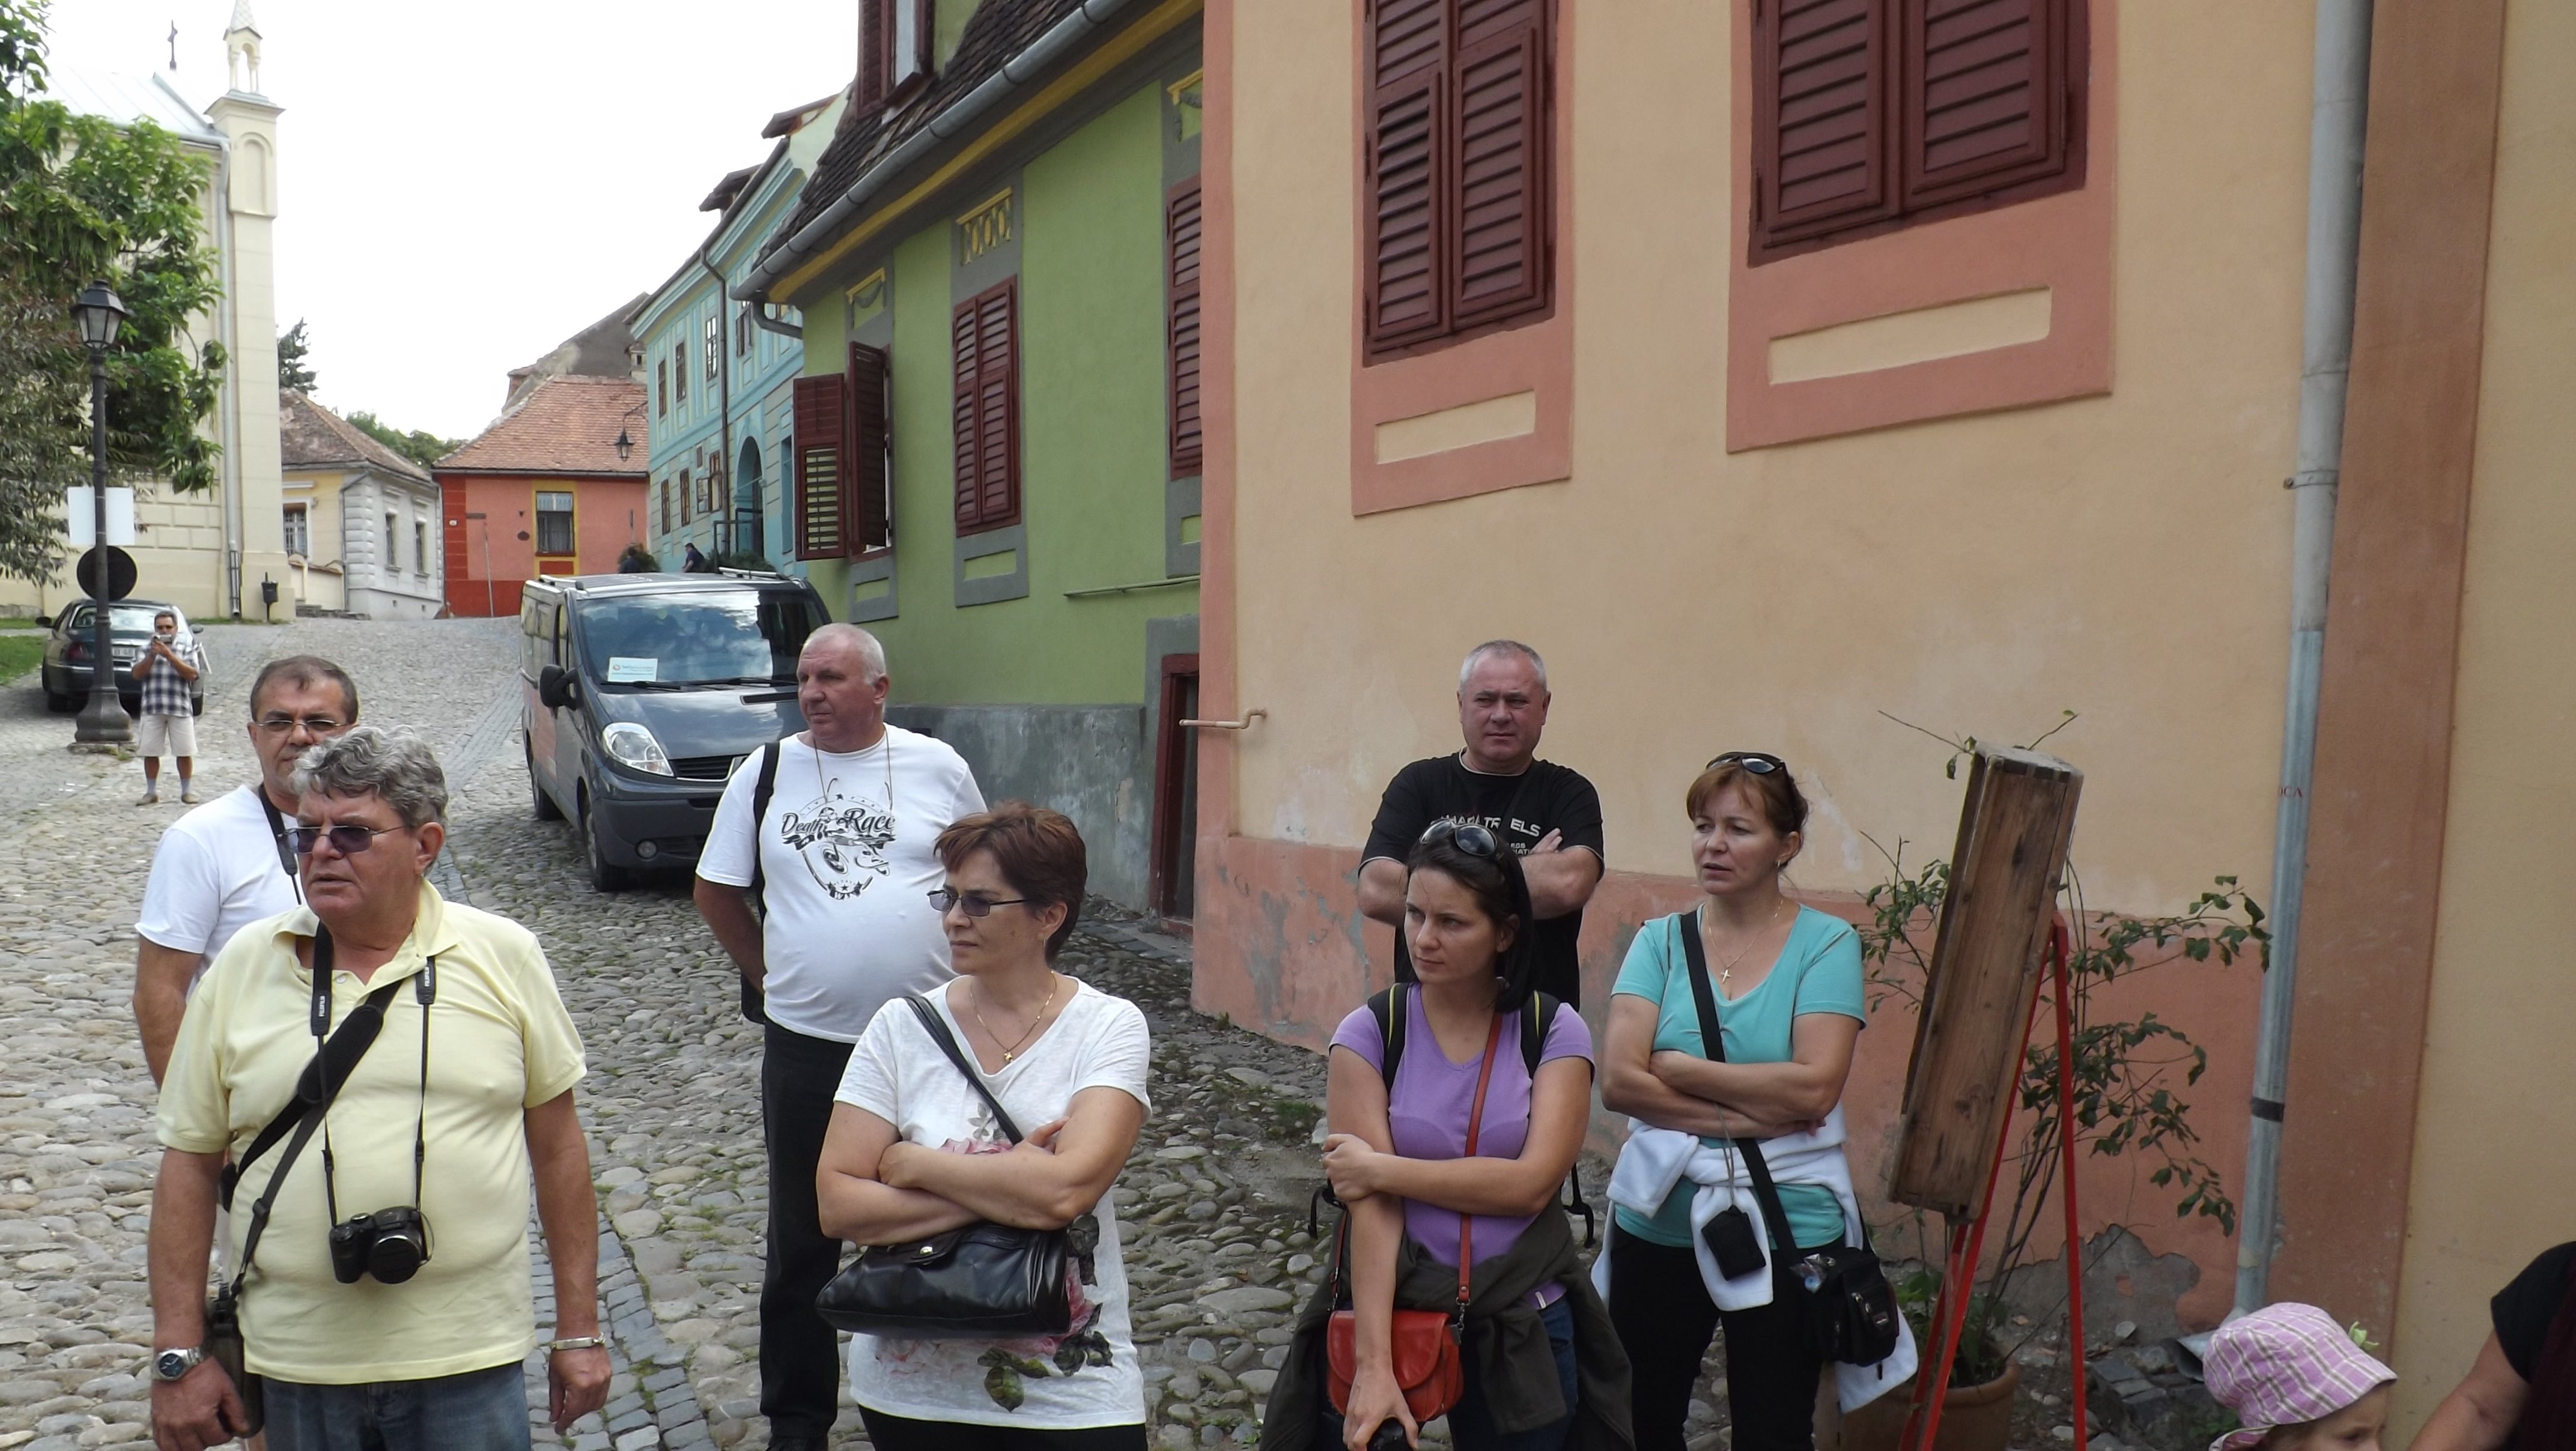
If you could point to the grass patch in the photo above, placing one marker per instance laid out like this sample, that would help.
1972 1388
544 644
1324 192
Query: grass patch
20 654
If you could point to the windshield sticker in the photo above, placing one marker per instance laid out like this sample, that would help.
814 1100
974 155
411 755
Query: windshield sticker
633 669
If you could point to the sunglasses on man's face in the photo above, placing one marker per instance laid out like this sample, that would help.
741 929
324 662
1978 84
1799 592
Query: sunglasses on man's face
1467 836
346 840
314 725
1756 762
974 904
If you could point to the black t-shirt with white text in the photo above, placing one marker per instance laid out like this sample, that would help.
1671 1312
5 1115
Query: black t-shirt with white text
2524 1308
1521 810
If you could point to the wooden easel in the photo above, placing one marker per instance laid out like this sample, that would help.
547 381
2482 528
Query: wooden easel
1980 1007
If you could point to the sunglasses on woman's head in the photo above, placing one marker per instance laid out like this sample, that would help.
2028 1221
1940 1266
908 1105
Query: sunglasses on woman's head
1757 762
1467 836
346 840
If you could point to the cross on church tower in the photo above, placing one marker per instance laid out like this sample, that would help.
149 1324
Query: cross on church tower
174 45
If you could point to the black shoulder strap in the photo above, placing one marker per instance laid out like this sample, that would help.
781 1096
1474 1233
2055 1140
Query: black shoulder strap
1387 1007
762 787
357 1033
1537 1016
277 834
937 1028
1713 1041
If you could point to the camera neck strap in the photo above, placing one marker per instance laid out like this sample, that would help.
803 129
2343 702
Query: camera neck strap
277 835
1713 1047
425 992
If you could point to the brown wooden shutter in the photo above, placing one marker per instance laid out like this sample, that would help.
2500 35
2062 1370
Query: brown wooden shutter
1985 100
821 409
1822 132
1498 228
985 334
871 494
873 17
1181 331
1406 253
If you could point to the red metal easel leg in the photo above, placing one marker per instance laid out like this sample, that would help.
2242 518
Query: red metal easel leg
2058 950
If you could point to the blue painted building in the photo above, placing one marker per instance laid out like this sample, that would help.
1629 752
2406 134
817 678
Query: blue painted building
718 383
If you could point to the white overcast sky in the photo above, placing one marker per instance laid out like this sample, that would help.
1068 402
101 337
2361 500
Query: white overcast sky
463 185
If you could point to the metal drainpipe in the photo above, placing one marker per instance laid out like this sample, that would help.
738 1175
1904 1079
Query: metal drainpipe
724 397
2337 115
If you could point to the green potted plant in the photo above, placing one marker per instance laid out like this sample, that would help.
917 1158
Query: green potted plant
2125 1103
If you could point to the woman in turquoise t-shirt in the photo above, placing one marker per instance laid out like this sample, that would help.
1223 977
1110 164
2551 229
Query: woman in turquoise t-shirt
1789 1002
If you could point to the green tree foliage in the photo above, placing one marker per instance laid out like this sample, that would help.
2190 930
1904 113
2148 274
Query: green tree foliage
421 448
82 198
292 375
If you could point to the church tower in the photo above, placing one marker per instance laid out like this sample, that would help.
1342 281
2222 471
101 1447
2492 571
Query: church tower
248 182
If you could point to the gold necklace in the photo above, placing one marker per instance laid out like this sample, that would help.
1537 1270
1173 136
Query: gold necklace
976 1006
1724 974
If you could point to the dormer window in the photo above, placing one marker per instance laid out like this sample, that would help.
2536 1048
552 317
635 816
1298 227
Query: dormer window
896 40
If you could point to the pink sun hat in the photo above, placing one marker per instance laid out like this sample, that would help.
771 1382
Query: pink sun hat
2284 1365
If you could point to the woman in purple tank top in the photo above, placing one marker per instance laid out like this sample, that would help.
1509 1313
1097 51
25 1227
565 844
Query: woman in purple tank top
1397 1152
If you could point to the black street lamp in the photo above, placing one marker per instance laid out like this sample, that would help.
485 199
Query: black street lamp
625 445
103 721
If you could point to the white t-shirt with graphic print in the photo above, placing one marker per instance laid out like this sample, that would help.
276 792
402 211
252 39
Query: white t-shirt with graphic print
897 1073
847 873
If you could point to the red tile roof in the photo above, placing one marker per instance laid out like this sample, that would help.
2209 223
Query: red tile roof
310 436
564 425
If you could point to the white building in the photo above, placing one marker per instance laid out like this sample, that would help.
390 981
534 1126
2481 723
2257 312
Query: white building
209 552
362 529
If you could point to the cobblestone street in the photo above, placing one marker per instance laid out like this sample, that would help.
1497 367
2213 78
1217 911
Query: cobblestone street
1215 1196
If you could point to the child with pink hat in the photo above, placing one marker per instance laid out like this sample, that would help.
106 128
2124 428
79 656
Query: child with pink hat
2297 1382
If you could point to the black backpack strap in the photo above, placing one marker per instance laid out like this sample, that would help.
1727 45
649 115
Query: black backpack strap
356 1034
1713 1043
1387 1006
1537 1016
937 1028
755 1003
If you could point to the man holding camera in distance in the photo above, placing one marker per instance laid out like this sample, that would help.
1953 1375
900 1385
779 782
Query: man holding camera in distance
383 1298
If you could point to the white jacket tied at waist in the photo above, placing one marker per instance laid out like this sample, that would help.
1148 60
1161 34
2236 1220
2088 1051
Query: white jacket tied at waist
1654 1160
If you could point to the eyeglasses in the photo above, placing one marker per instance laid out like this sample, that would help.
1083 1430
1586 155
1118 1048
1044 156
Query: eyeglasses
318 725
346 840
1467 836
1756 762
976 904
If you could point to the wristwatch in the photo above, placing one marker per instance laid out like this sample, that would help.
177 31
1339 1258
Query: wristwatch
175 1364
576 1342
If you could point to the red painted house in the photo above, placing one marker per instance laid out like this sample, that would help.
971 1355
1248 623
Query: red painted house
545 490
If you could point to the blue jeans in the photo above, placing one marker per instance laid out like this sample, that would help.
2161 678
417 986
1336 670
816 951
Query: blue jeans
479 1410
1471 1425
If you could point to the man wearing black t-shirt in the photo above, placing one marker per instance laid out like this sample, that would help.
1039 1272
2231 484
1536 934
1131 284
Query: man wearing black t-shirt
1549 815
2521 1393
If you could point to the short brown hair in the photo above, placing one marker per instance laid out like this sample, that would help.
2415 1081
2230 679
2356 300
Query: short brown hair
1776 792
1039 851
307 671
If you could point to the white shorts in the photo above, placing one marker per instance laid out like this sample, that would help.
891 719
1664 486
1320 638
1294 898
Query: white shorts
165 735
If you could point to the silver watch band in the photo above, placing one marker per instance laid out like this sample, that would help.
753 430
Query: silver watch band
576 1342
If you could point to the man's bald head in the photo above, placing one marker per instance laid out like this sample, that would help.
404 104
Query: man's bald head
870 652
841 686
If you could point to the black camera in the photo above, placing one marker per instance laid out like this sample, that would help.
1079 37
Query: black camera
390 1244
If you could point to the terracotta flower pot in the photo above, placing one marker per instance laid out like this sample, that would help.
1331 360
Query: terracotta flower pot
1973 1418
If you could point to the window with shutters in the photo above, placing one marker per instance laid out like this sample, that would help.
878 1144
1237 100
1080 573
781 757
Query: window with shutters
668 522
680 369
984 335
821 409
870 503
1181 326
662 387
715 344
895 39
1459 192
1870 114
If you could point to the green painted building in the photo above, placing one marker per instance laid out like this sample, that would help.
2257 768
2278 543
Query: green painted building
995 436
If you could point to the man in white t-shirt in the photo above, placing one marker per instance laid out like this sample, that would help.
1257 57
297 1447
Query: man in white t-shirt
846 871
225 864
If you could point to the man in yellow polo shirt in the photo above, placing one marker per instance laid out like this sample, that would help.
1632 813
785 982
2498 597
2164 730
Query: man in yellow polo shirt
360 1337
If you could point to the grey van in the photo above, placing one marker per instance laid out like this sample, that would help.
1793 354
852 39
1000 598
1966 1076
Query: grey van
642 692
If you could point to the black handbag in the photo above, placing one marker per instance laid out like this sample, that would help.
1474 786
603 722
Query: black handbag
1848 1306
980 1281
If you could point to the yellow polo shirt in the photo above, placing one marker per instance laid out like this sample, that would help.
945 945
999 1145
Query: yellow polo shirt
499 1043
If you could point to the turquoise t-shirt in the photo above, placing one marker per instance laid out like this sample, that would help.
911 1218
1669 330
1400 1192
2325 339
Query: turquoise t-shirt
1818 972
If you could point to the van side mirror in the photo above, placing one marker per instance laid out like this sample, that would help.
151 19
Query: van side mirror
556 688
44 622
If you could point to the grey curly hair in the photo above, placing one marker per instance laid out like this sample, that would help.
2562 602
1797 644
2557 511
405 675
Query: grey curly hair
395 766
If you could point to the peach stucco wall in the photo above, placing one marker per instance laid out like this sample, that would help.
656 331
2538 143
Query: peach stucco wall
2122 555
2490 1187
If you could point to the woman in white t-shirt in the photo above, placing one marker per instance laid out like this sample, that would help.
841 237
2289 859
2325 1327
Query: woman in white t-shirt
914 1151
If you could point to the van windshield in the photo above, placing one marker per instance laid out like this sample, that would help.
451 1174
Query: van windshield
710 637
